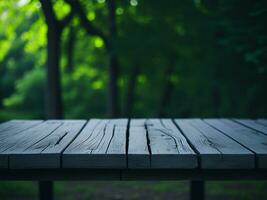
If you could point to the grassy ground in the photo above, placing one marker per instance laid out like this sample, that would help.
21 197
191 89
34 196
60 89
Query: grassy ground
155 190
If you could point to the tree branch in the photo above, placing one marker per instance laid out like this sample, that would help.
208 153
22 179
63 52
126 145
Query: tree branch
88 26
50 17
64 22
112 17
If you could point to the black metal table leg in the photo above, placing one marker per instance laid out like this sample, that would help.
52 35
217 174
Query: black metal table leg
197 190
46 190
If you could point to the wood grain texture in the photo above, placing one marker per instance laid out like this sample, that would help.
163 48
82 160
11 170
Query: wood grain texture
252 124
23 140
138 152
146 144
9 124
10 129
251 139
216 151
46 153
169 148
156 143
13 123
14 127
101 144
262 121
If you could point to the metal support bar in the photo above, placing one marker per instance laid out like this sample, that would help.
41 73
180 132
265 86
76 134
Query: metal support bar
197 190
46 190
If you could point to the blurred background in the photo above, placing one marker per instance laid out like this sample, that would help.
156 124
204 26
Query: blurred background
133 58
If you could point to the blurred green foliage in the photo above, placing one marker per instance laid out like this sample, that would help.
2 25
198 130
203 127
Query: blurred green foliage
210 55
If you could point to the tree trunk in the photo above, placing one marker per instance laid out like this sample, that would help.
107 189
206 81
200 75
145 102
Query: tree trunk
113 63
166 92
53 88
70 49
129 99
112 97
53 92
112 87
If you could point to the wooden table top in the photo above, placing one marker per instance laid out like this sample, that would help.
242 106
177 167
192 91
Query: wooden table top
134 144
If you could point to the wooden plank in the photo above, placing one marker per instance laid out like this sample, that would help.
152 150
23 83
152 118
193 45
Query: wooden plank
46 153
57 174
169 148
12 123
138 152
132 174
101 144
7 125
251 139
193 174
14 127
252 124
262 121
216 151
25 139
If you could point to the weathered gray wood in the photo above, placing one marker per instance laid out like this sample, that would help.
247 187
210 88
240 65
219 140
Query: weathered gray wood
169 148
216 151
25 139
262 121
10 128
251 139
14 127
7 125
152 144
252 124
138 152
101 144
14 123
46 153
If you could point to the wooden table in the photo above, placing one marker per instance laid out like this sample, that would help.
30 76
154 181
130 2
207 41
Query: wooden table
136 149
